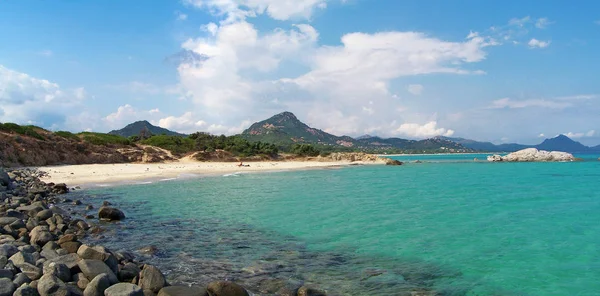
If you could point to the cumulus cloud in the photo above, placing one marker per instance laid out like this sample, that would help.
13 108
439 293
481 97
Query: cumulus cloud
184 123
415 89
26 99
427 130
127 114
236 10
534 43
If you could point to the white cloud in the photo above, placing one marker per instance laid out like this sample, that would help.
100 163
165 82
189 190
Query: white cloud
181 16
534 43
578 97
237 10
541 135
415 89
588 134
127 114
184 123
515 104
543 23
26 99
427 130
520 22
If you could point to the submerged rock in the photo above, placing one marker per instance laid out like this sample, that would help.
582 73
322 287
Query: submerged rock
390 161
110 214
533 155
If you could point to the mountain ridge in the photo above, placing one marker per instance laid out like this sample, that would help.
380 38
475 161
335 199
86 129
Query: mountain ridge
143 126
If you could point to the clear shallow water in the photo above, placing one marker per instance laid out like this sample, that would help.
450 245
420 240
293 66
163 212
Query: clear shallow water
449 224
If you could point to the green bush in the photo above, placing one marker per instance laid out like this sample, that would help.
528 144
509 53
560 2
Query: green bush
26 130
175 144
233 144
305 150
104 139
67 135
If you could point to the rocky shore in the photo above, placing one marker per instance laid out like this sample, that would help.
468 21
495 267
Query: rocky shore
41 252
533 155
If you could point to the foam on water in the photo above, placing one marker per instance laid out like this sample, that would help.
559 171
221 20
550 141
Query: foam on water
457 227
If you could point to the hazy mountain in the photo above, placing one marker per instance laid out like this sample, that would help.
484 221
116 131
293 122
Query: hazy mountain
562 143
558 143
486 146
134 129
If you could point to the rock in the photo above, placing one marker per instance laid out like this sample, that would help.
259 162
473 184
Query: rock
4 178
21 258
67 238
6 287
60 188
21 279
71 247
8 250
533 155
26 290
7 220
110 214
389 161
62 252
59 270
3 260
50 285
92 268
44 214
89 207
96 253
6 274
123 289
31 271
308 291
128 272
97 286
149 250
182 291
70 260
81 281
40 235
225 288
151 279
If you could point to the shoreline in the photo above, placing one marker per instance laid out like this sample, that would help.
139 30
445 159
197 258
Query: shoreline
132 173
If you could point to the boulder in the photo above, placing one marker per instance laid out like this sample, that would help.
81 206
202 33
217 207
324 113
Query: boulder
390 161
67 238
6 287
44 214
50 285
21 258
88 252
533 155
31 271
60 188
92 268
6 274
97 286
81 281
21 279
151 279
8 250
70 260
110 214
59 270
26 290
123 289
128 272
40 235
182 291
71 247
225 288
7 220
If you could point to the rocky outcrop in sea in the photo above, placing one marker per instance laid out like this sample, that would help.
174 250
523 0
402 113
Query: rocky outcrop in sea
533 155
42 253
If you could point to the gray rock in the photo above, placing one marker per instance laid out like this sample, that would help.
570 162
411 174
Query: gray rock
81 280
26 290
7 220
110 214
182 291
59 270
128 272
28 249
71 247
3 260
74 290
51 245
308 291
6 287
50 285
44 214
21 279
70 260
49 253
4 178
225 288
21 258
40 235
95 253
92 268
62 252
31 271
151 279
124 289
6 274
97 286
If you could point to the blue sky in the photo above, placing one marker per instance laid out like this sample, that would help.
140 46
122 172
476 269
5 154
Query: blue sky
508 71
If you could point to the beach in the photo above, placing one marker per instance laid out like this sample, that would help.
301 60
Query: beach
80 175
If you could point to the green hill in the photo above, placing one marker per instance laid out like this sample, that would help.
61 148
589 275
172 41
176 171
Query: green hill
139 127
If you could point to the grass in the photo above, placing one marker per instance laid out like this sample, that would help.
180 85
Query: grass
26 130
67 135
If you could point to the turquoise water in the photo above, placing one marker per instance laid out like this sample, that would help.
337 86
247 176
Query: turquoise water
449 225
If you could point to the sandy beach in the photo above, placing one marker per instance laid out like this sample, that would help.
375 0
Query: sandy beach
82 175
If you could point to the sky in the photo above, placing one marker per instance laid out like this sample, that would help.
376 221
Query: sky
500 71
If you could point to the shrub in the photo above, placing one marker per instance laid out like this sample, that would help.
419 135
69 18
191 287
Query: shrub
304 150
104 139
175 144
67 135
26 130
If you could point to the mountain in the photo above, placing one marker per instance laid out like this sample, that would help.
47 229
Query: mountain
562 143
486 146
285 129
134 129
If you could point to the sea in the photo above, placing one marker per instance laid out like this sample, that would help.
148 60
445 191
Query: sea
437 225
